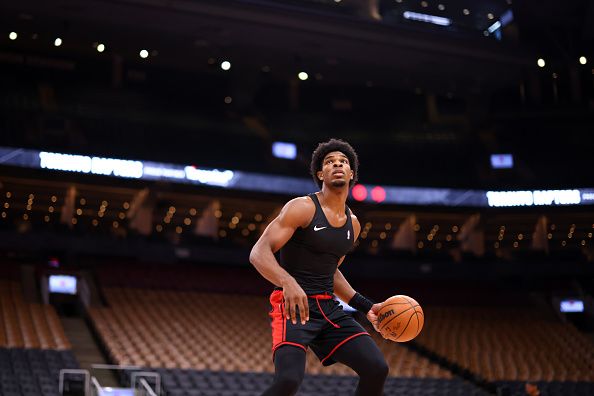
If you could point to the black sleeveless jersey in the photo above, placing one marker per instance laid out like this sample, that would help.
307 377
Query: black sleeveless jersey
311 255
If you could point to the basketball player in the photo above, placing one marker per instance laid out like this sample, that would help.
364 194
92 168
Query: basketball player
314 233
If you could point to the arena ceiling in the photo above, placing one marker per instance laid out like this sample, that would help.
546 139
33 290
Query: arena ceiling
253 35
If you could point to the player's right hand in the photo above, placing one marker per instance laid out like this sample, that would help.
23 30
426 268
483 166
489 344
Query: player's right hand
295 300
372 315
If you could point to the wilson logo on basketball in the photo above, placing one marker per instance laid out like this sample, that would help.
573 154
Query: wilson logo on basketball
385 315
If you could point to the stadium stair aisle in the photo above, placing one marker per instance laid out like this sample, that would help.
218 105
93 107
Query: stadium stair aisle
85 349
30 289
454 368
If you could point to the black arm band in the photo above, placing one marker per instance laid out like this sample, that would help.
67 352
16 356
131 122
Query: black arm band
361 303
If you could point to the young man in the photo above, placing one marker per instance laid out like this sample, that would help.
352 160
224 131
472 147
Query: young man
314 233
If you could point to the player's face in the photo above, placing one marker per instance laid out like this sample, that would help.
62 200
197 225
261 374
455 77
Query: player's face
336 170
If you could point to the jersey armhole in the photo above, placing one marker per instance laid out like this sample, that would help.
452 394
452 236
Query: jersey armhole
315 211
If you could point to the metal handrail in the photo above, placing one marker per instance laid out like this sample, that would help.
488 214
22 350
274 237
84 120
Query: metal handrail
96 385
149 391
149 374
114 367
75 371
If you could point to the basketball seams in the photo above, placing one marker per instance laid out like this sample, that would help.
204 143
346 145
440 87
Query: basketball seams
408 301
416 316
419 327
418 324
405 327
389 305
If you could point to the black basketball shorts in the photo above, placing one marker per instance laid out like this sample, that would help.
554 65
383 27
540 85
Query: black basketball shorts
328 328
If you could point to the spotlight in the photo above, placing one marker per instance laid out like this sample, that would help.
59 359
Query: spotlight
13 35
58 42
303 76
583 60
225 65
540 62
144 54
100 47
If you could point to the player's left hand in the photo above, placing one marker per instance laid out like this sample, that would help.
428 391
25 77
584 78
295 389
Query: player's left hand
372 315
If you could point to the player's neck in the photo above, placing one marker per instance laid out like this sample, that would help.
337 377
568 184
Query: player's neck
334 198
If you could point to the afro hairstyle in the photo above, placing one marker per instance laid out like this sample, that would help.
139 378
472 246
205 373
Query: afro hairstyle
322 151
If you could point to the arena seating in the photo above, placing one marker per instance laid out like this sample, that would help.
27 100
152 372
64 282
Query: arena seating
178 382
32 372
183 335
552 388
502 344
213 332
219 344
33 347
28 325
182 277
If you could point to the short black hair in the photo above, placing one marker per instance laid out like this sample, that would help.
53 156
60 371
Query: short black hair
331 145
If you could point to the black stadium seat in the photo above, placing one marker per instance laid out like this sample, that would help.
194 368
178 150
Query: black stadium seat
32 372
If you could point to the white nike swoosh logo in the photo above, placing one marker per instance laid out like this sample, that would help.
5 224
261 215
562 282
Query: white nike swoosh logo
316 228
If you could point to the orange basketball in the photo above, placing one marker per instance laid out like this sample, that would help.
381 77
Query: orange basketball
400 318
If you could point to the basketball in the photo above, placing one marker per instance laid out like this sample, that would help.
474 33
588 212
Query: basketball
400 318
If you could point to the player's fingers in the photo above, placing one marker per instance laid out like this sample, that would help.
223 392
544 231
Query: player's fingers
288 308
375 308
306 308
301 307
373 320
293 312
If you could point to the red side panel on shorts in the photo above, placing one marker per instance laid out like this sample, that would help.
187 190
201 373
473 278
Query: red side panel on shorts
277 314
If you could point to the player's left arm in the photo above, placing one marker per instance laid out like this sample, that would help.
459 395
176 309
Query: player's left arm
344 290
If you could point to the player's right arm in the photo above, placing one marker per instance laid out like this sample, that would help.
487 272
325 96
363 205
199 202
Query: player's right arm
296 213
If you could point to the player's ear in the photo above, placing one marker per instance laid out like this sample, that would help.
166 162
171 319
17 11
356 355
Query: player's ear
320 175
